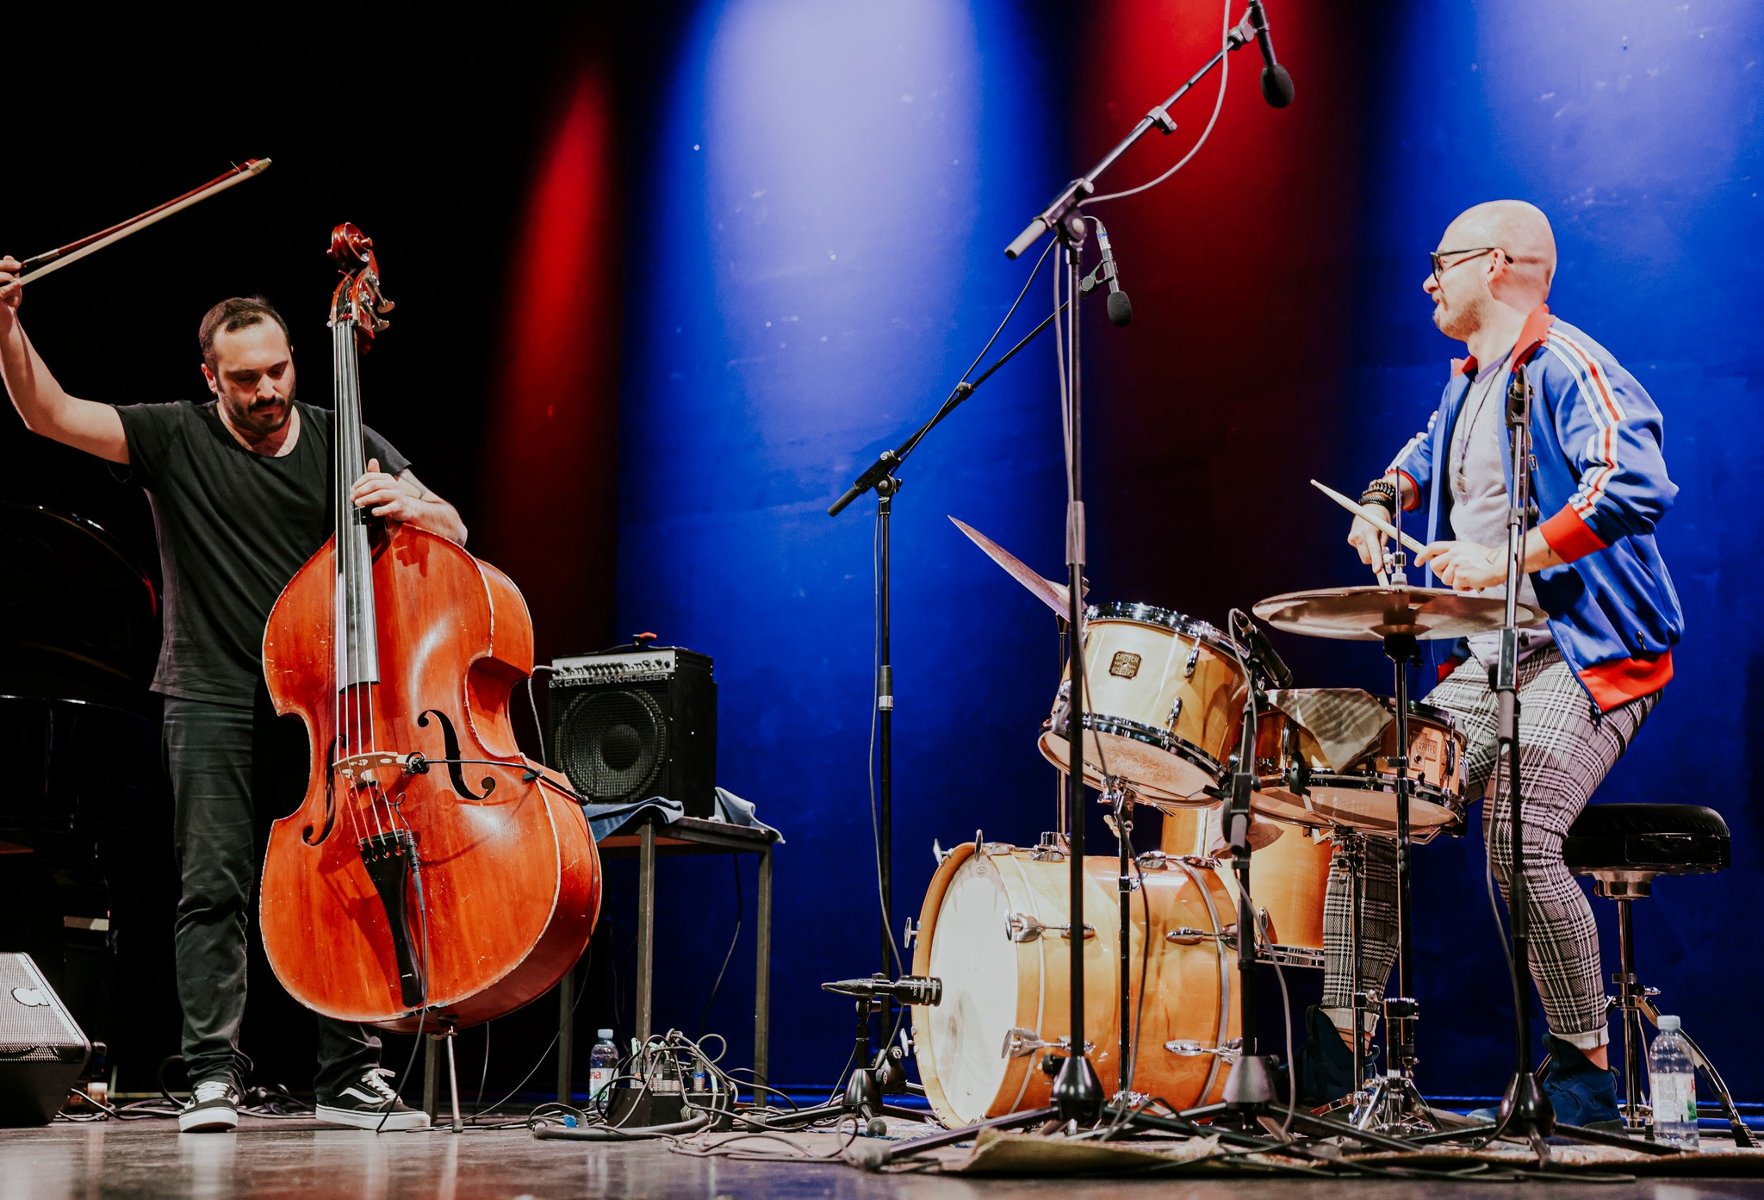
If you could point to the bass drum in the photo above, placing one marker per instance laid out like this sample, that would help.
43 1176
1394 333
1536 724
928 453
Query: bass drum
992 930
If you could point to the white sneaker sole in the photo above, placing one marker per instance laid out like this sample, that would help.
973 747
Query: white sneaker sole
368 1119
209 1120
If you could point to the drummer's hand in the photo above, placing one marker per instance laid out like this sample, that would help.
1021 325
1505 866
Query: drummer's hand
1367 538
11 290
1464 566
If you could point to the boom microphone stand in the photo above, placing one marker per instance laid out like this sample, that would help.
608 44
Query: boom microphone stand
880 477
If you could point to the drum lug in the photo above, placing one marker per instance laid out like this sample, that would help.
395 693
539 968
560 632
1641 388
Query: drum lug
1051 848
1022 927
1020 1043
1188 935
1193 660
938 852
911 934
1190 1048
1175 712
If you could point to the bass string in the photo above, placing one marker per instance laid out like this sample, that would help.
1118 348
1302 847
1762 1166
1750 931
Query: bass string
355 595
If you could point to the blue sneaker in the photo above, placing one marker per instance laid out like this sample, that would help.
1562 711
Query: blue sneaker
1325 1067
1581 1093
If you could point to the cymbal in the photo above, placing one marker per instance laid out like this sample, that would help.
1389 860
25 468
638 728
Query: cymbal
1372 613
1055 595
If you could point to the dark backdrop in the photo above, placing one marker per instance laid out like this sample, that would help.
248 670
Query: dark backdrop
668 281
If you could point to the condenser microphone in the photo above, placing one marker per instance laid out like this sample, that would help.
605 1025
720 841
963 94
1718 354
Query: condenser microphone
908 989
1276 83
1120 307
1261 650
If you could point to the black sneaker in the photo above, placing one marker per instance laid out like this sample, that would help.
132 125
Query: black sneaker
213 1108
370 1103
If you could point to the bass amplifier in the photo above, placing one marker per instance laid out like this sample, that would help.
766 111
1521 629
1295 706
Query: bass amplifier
42 1051
627 725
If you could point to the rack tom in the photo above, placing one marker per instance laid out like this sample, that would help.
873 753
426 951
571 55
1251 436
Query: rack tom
1324 758
1163 695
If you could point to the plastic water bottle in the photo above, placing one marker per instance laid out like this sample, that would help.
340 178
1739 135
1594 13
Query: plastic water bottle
1672 1084
603 1065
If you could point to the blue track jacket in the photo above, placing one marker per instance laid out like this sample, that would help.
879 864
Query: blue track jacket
1597 469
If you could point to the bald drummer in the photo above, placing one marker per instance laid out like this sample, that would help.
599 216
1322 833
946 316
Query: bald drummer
1586 682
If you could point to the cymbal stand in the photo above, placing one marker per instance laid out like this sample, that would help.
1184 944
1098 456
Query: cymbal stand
1119 795
1393 1103
1248 1100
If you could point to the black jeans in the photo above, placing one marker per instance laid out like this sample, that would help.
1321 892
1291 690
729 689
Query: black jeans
229 766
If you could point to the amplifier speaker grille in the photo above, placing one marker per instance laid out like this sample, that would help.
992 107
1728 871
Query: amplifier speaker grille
620 740
42 1051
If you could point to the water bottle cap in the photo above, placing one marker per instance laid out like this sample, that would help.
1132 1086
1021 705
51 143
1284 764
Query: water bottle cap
1669 1024
605 1035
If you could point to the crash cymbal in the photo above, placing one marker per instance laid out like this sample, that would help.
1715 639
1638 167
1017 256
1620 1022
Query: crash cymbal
1055 595
1372 613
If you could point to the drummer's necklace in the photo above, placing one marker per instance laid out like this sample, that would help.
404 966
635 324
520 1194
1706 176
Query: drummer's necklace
1484 387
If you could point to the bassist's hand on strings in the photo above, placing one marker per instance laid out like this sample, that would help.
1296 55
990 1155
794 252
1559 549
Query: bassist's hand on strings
404 498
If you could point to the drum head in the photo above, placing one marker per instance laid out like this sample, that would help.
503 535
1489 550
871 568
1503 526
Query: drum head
974 956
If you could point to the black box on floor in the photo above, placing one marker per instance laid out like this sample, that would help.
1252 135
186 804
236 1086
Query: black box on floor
629 724
637 1107
42 1051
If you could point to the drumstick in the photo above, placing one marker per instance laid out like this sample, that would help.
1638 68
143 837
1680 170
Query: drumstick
1408 542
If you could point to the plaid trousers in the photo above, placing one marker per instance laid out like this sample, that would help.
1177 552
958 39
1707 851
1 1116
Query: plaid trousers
1566 747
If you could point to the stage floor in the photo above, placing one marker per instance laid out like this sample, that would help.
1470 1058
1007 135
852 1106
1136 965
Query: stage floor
294 1158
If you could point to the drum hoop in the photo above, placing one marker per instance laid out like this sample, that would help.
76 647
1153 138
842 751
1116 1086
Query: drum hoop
1163 618
1427 712
1151 736
1384 783
923 938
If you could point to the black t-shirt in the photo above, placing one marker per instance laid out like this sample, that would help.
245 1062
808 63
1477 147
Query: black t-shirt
234 526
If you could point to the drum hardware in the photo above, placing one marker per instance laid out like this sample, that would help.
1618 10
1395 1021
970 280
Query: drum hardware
1051 848
1187 935
910 934
990 849
1231 1051
1020 1043
1022 927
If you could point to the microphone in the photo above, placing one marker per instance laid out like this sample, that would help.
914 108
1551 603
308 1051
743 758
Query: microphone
1261 650
1276 83
908 989
1120 307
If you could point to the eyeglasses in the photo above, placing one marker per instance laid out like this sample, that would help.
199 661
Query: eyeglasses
1440 266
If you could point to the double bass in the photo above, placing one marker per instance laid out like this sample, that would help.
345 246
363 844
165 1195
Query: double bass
432 875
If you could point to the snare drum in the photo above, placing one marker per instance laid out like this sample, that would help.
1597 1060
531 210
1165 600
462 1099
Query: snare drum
993 930
1341 775
1289 878
1163 697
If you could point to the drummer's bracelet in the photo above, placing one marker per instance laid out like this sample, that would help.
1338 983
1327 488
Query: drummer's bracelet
1380 491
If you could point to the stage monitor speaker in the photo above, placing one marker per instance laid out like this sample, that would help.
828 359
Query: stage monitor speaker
626 725
42 1051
